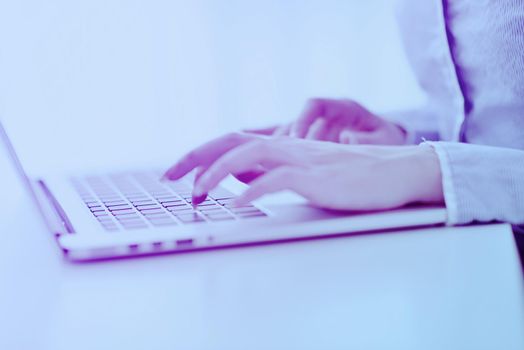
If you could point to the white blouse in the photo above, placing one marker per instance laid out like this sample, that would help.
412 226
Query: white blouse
468 56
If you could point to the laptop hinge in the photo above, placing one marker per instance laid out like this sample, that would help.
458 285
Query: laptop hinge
65 223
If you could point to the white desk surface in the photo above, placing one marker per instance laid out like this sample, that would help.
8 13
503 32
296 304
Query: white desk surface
444 288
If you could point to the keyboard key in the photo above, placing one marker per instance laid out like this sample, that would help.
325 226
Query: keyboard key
185 209
137 197
147 206
219 216
161 219
94 204
122 209
221 193
107 222
159 193
130 220
138 224
163 222
232 206
190 218
246 209
134 227
123 212
167 198
213 209
157 216
110 199
172 201
151 210
251 215
143 202
132 223
115 204
175 205
207 205
118 207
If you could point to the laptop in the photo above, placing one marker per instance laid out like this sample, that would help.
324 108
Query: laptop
133 213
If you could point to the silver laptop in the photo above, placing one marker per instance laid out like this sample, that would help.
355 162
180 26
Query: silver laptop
133 213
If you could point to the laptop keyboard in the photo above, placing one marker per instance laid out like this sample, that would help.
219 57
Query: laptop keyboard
139 200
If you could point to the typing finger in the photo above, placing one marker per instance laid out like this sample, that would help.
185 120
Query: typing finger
347 137
315 108
282 178
317 130
263 131
248 176
241 159
204 155
283 130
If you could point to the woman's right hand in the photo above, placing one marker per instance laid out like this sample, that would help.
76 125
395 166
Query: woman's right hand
340 121
329 175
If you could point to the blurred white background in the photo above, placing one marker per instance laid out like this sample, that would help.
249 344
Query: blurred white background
104 83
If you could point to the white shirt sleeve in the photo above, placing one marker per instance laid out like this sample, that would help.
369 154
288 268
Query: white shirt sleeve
481 183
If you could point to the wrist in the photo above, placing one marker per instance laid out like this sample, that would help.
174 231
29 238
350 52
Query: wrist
425 178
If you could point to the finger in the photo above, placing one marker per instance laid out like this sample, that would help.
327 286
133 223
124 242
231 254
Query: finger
197 200
282 178
241 159
199 172
248 176
263 131
317 130
367 138
344 137
314 109
360 118
204 155
334 124
349 137
283 130
381 137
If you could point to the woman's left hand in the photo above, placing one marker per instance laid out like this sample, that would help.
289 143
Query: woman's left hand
329 175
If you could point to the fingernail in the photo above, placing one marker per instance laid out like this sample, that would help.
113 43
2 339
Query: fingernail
197 199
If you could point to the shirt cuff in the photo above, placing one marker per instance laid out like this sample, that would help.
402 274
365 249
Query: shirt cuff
450 195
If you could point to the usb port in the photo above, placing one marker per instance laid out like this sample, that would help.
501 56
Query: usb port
184 243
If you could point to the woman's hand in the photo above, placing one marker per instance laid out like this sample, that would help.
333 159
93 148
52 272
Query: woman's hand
327 174
341 121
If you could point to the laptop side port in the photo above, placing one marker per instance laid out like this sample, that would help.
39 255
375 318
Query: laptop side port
133 248
184 243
